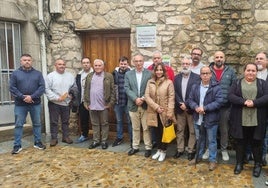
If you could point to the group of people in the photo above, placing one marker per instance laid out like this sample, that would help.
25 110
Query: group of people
199 100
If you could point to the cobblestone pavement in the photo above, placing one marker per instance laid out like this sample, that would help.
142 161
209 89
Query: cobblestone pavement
76 166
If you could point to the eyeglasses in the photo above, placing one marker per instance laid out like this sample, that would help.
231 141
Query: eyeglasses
205 73
138 61
196 54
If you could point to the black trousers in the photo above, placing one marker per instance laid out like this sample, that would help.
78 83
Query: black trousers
248 139
158 135
84 119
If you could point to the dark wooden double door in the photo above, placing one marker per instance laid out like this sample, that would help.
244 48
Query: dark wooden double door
108 46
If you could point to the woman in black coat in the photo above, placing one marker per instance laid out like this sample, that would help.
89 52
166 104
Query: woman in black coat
249 98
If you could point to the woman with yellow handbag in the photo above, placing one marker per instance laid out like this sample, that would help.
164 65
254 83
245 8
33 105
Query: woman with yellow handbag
160 97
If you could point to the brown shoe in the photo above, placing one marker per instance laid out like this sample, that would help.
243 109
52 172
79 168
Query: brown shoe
212 166
67 140
53 142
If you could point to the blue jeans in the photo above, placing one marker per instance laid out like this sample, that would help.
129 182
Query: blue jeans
119 112
211 135
20 119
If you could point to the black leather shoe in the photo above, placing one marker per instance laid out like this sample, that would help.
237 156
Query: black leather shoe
93 145
133 151
238 168
147 153
104 145
257 170
177 155
191 156
264 162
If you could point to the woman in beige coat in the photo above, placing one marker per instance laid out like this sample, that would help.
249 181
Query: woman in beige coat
160 97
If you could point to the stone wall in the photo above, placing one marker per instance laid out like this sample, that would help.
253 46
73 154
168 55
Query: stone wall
24 12
239 28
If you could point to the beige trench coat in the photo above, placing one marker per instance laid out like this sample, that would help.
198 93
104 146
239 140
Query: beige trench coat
162 95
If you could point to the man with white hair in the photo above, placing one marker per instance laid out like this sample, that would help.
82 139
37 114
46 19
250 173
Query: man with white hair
183 83
99 97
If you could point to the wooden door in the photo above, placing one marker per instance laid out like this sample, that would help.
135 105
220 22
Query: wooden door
108 46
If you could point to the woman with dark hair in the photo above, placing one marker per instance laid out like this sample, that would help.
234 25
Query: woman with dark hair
249 98
160 97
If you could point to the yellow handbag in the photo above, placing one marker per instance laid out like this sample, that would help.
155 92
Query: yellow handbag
168 132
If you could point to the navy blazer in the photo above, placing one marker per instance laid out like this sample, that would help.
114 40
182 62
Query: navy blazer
193 79
131 88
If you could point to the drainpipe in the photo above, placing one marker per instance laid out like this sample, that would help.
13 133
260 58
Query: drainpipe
44 64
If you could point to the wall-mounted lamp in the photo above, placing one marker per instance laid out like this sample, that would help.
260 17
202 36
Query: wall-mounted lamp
55 6
55 11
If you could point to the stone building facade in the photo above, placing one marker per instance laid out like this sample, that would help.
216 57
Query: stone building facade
237 27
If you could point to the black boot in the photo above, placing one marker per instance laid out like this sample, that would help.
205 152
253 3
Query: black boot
257 170
239 154
257 154
238 168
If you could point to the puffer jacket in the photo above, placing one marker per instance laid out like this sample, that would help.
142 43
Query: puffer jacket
212 103
228 77
162 95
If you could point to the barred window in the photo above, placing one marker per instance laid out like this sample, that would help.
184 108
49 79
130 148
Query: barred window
10 51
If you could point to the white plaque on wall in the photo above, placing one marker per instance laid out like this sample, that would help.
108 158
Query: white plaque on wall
146 35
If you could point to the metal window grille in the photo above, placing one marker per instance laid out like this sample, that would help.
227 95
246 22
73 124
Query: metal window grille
10 51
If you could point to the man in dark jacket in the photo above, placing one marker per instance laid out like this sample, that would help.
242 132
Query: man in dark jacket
83 113
206 99
261 60
99 98
120 107
183 83
225 76
27 85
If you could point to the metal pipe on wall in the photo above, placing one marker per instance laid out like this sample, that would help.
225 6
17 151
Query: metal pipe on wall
44 65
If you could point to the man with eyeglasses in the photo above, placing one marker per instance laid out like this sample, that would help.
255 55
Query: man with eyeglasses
196 55
205 100
225 76
135 85
183 83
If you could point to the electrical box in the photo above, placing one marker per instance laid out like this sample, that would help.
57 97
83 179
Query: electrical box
55 6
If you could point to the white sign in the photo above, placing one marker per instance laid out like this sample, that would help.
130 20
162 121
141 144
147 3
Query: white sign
166 59
146 36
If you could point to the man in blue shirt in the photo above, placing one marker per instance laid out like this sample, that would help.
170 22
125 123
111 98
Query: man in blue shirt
27 85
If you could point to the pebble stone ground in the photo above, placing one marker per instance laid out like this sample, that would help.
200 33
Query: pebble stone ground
76 166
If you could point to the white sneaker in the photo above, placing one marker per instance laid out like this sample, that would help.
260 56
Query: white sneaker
225 155
162 156
156 155
206 154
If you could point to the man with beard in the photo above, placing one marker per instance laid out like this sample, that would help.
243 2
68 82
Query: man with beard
120 107
183 83
225 76
261 60
196 60
27 85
